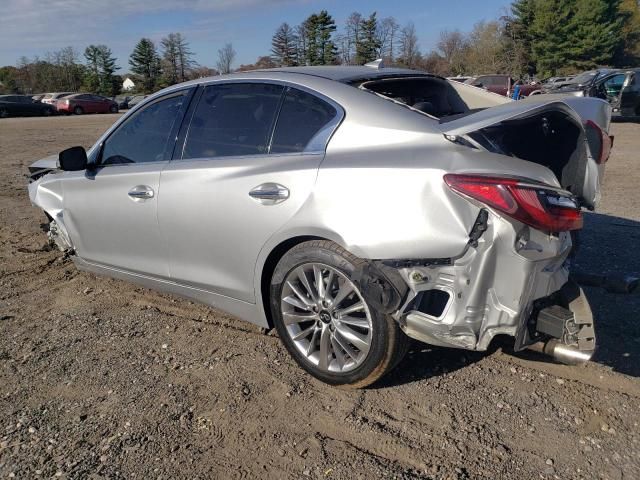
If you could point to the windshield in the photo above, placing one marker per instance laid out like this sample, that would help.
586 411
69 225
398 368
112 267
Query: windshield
585 77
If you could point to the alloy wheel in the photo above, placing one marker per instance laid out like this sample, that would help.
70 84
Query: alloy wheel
326 317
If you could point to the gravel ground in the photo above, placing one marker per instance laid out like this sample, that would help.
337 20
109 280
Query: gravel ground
102 379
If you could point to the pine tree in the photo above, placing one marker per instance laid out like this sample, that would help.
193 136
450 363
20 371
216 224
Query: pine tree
101 66
628 53
145 62
518 28
92 75
368 46
310 31
283 46
319 47
595 33
327 49
107 65
550 30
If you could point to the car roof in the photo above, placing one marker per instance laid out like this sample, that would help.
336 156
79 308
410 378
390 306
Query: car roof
345 73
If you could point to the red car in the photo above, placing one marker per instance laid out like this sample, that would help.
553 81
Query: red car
86 103
501 84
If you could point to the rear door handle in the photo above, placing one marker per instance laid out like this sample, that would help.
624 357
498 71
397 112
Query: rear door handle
270 193
141 192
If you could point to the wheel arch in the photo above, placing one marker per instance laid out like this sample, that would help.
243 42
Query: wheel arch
269 266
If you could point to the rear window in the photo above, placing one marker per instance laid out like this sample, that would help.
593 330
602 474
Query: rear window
430 95
301 117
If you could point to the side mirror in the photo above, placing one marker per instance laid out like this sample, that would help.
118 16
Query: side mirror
72 159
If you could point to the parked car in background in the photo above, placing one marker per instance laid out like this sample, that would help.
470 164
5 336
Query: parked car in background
122 101
554 81
621 89
501 84
38 96
583 82
136 99
245 192
52 98
80 103
459 78
23 105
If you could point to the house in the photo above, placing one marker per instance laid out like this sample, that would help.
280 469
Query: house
128 84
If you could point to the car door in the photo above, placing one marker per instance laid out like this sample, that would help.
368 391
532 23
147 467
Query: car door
235 183
629 102
28 106
111 209
95 104
612 86
102 103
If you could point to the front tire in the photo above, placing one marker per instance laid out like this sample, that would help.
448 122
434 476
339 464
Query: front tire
78 110
324 321
4 113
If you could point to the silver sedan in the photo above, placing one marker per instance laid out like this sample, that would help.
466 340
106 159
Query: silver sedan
350 208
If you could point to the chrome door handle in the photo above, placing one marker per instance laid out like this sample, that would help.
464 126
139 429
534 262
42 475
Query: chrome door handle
270 193
141 192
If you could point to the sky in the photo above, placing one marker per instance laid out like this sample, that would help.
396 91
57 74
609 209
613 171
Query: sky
34 27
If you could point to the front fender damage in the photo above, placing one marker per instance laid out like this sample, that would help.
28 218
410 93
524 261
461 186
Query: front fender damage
46 193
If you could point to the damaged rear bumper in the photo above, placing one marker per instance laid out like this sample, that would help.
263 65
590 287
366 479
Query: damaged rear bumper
500 285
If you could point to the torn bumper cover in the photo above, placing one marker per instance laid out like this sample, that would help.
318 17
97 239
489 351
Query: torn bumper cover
502 284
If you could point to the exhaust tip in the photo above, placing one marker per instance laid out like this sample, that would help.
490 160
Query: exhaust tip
567 354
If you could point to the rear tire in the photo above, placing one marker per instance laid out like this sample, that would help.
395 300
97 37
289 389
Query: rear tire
78 110
47 112
329 318
113 109
4 113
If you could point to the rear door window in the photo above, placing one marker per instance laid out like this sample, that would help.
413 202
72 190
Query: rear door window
301 118
233 119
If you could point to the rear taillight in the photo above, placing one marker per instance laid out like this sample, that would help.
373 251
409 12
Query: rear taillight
599 142
542 208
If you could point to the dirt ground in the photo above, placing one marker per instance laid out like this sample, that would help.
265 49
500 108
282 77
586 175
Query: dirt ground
102 379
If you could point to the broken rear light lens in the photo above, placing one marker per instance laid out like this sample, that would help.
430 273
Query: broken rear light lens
599 142
535 205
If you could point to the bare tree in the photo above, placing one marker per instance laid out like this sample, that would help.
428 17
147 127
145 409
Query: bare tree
409 52
349 40
176 58
486 50
226 55
301 44
452 47
387 36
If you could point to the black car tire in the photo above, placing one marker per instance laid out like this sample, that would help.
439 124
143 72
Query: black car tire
389 344
113 109
78 110
47 112
4 113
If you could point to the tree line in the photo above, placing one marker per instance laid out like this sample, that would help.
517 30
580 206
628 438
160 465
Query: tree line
95 71
535 38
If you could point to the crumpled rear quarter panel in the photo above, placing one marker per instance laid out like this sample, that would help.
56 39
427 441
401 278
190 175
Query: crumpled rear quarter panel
492 287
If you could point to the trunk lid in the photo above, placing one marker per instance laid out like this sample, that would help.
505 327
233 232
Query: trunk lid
546 129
